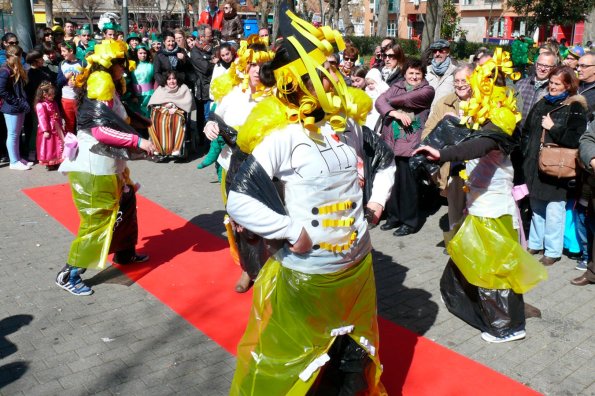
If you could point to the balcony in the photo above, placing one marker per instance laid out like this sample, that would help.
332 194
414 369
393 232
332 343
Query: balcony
478 5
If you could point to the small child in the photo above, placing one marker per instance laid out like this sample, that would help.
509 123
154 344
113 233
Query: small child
50 138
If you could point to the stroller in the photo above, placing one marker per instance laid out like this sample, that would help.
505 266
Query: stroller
168 133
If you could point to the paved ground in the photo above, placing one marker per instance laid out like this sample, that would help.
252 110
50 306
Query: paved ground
122 340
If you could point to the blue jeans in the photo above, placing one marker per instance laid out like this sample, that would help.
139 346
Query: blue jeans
547 226
14 125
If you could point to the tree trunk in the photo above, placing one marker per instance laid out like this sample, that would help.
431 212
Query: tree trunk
439 15
346 15
430 24
589 33
49 13
382 25
336 10
276 9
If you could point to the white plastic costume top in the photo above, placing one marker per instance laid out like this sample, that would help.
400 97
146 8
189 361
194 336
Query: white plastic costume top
322 195
92 163
234 108
490 186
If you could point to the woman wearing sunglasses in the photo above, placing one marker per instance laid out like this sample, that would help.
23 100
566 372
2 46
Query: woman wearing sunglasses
394 59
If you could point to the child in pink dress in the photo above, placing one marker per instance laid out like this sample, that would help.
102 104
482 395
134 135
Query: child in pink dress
50 138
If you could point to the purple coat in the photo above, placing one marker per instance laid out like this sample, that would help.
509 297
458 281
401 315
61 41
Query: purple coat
417 101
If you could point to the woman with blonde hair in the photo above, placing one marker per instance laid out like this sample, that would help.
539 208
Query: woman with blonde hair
232 29
13 78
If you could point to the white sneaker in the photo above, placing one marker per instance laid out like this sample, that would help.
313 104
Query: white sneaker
25 162
19 166
519 335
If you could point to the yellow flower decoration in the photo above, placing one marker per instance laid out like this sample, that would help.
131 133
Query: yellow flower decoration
490 101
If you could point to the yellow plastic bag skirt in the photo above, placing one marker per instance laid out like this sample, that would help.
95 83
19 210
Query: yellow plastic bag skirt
488 254
97 200
293 315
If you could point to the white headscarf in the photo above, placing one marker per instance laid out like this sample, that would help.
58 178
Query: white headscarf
381 87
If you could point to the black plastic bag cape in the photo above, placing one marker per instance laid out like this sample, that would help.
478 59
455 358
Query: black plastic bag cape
450 132
252 180
499 312
377 155
93 113
248 177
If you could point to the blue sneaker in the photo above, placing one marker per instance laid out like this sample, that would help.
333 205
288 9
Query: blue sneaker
581 265
74 284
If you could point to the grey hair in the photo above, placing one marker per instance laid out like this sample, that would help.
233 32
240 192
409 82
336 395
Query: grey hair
463 67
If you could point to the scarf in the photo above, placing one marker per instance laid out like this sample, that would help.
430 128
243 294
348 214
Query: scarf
440 68
540 83
171 56
553 99
180 96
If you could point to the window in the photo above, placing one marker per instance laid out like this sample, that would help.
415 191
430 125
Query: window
392 28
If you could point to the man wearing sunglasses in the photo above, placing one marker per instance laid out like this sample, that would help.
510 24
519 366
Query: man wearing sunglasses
441 71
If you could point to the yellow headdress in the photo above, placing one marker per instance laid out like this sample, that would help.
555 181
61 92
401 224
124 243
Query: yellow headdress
100 85
305 50
237 73
490 101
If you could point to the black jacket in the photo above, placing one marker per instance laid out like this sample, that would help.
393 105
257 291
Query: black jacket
570 122
162 66
203 70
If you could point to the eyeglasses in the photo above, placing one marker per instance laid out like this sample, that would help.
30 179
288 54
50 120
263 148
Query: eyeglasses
13 42
348 59
542 66
583 66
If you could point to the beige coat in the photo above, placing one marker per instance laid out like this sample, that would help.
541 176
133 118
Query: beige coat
447 104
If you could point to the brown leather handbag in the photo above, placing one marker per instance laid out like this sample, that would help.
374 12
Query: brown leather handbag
557 161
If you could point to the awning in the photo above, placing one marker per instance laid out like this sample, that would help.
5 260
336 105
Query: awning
40 17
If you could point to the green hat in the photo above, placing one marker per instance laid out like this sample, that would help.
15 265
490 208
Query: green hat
110 26
133 35
155 38
86 29
142 46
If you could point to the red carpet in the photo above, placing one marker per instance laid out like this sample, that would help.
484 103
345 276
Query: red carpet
191 272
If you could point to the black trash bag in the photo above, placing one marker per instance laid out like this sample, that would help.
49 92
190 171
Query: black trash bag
498 312
377 155
94 113
125 234
448 132
228 134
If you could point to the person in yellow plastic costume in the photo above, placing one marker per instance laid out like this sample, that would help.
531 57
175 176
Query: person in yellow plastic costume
236 93
101 188
489 270
313 325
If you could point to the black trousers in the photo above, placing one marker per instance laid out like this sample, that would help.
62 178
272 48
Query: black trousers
403 204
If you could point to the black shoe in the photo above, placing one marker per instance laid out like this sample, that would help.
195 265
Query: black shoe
389 225
403 230
136 258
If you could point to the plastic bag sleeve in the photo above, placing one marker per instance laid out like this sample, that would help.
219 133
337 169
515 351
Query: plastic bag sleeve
260 219
383 184
111 137
469 149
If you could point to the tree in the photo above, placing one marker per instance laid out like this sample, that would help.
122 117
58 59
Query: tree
552 12
346 16
158 10
432 23
382 21
88 8
450 21
49 13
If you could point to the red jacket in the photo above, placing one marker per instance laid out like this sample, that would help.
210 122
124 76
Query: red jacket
215 22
